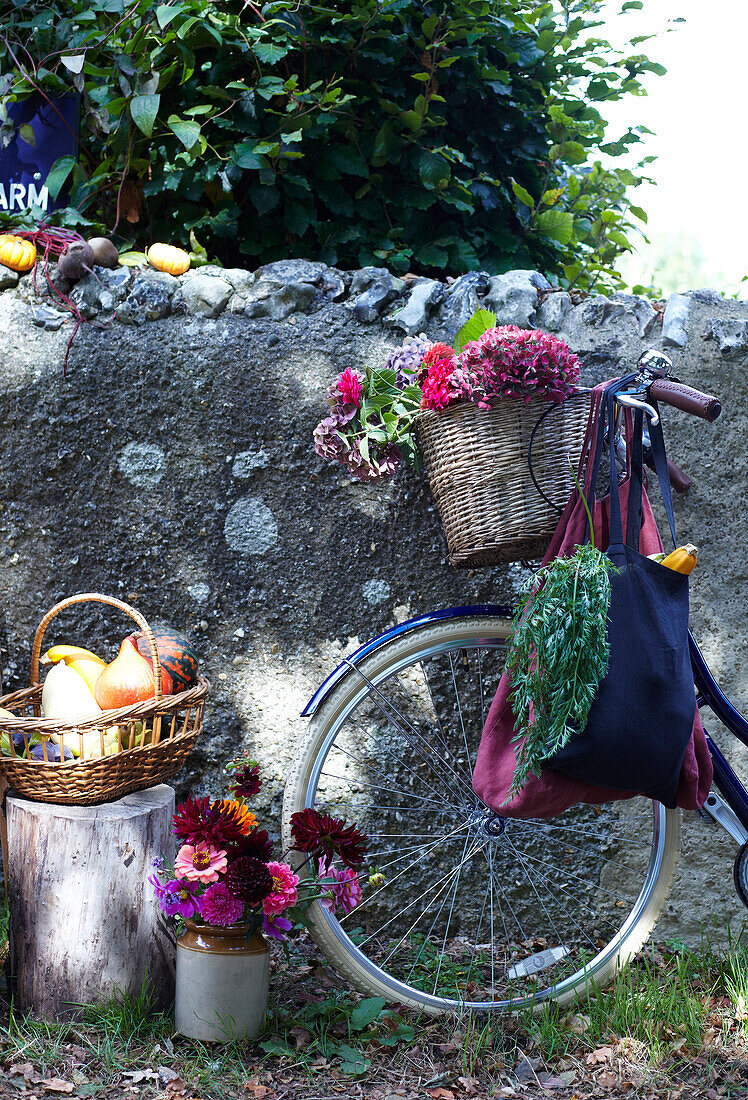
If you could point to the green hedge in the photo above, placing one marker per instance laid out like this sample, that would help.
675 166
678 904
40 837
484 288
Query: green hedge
430 135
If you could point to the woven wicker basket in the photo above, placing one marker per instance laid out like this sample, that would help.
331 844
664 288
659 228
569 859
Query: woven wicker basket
476 461
153 738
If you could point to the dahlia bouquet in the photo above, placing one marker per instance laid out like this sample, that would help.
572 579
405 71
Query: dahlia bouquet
225 874
370 425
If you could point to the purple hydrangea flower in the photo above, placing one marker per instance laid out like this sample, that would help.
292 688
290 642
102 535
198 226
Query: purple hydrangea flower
406 359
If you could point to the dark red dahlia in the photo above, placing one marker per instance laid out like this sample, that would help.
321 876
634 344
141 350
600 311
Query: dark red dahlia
247 781
248 880
218 823
256 844
327 836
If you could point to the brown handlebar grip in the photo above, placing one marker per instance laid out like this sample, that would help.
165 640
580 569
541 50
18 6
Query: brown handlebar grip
679 479
683 397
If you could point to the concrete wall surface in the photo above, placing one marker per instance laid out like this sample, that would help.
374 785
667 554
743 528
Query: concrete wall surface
172 465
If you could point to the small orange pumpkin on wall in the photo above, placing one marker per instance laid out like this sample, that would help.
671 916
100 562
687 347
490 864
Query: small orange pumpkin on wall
16 252
165 257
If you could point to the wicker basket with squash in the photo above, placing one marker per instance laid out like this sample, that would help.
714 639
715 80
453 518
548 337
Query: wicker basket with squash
92 731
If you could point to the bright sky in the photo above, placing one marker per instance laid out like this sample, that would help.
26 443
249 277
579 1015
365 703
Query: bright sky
696 210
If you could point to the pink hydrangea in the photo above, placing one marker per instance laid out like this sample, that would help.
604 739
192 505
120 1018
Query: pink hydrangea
220 907
344 890
200 863
506 361
328 442
284 891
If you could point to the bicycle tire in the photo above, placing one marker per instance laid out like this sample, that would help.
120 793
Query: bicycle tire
339 770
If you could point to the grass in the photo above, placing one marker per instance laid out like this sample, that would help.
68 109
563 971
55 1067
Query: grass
676 1016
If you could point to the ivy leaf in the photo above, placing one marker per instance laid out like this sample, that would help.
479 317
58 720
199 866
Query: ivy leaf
58 174
188 132
264 199
434 255
523 195
550 198
434 171
270 52
558 225
73 62
143 109
133 259
481 321
244 155
348 160
571 152
166 12
27 134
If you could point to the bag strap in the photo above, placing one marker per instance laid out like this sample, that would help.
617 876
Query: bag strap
657 440
636 477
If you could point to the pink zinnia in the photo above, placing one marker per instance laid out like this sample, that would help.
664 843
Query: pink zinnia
200 862
284 891
219 907
349 387
345 888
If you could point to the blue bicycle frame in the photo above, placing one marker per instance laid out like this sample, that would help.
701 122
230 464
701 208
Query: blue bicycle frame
708 693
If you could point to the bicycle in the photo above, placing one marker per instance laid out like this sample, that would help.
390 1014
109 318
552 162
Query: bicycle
477 911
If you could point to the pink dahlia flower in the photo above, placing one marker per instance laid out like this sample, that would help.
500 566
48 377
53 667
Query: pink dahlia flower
200 862
344 890
437 385
219 907
349 387
284 892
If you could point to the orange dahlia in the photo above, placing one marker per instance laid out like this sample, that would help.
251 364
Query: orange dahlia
240 813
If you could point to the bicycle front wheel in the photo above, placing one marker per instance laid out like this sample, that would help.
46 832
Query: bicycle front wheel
475 910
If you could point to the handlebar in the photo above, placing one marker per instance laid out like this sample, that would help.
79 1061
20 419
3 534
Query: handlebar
684 397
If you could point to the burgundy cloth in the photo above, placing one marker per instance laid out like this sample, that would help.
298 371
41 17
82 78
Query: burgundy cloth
551 793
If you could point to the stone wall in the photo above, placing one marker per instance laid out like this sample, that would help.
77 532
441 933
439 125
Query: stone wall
172 466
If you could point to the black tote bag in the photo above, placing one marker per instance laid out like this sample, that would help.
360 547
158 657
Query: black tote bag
641 720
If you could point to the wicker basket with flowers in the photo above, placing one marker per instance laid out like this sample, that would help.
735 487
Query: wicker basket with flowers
471 414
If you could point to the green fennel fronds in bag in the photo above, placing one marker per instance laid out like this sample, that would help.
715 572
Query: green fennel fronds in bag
557 656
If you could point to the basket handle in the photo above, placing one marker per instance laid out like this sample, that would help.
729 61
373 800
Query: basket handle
83 597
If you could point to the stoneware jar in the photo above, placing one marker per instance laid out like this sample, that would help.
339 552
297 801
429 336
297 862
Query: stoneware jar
222 982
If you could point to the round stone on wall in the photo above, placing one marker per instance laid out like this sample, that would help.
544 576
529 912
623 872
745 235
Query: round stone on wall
250 527
143 464
376 591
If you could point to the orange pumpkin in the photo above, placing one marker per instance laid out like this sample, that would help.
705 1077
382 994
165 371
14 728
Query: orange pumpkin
165 257
17 253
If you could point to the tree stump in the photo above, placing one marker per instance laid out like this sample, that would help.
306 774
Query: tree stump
85 926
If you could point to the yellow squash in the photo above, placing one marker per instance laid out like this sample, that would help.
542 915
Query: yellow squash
165 257
681 560
17 253
82 661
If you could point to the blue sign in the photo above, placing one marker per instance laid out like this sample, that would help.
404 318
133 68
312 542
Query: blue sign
24 167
